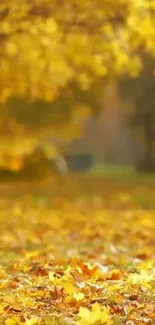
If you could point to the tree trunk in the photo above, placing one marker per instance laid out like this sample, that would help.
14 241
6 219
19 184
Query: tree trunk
149 139
61 169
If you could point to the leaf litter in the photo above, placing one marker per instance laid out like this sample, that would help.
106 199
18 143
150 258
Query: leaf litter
76 263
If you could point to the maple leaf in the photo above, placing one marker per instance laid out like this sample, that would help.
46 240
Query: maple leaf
13 321
3 274
69 287
142 278
32 321
2 306
78 296
96 316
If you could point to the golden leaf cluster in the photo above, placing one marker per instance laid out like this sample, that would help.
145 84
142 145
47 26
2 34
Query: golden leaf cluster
44 45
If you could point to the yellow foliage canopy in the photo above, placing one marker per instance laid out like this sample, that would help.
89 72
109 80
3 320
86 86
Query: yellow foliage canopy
46 44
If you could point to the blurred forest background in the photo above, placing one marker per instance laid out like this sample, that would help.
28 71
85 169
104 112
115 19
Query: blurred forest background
122 132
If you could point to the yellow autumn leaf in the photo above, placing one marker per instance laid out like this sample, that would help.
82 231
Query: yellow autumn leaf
32 321
32 254
85 316
142 278
13 321
11 49
69 287
2 308
51 25
100 314
78 296
3 273
96 313
97 316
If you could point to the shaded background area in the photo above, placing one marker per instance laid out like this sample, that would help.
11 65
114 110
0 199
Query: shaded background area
118 132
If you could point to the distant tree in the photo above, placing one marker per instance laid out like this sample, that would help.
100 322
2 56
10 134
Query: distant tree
26 125
140 92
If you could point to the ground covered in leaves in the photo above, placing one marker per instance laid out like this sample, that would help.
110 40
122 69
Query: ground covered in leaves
83 257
